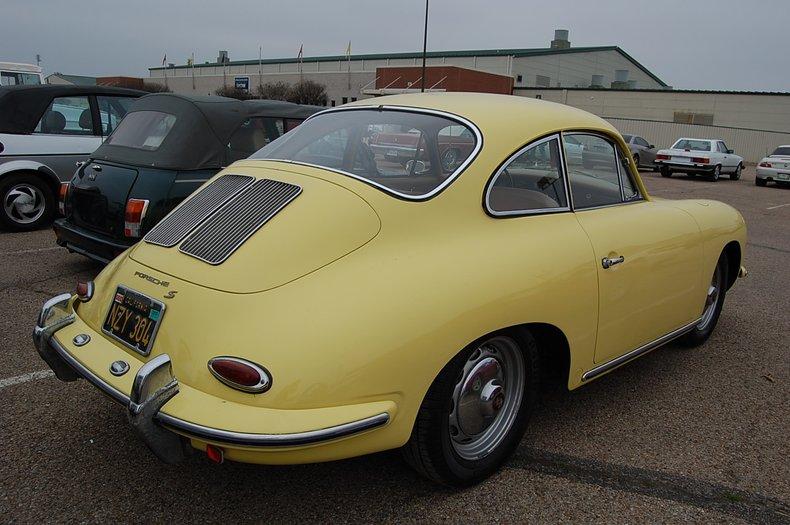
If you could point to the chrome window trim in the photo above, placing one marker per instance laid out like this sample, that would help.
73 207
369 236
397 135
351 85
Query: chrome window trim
226 436
638 352
509 160
405 109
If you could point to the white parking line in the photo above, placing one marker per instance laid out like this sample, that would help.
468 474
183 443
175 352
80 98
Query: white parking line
34 250
780 206
24 378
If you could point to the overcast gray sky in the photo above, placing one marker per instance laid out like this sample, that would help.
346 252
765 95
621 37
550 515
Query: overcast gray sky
696 44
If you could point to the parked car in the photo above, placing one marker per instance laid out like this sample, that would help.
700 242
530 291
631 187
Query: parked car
774 168
165 148
294 301
643 152
400 145
44 132
709 157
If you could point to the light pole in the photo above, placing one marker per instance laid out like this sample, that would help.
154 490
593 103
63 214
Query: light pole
424 47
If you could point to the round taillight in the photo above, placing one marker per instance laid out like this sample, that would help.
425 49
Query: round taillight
240 374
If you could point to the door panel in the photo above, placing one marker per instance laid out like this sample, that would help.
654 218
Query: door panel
655 289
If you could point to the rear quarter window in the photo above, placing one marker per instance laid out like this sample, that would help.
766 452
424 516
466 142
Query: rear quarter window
144 130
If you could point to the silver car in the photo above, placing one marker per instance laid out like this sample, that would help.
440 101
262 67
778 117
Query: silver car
45 133
774 168
644 153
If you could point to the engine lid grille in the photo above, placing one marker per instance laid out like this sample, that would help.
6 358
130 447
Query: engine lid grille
221 234
173 228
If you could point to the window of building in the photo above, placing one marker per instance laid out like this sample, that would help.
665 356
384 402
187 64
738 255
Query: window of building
531 181
67 116
686 117
345 100
542 81
519 79
332 103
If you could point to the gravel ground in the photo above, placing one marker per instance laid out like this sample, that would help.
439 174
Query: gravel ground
680 435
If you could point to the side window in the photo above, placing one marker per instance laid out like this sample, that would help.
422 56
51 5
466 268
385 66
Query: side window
641 142
253 134
530 181
291 123
723 147
111 111
67 116
592 170
630 191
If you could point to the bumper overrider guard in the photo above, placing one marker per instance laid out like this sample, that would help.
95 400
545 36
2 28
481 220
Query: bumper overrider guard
153 386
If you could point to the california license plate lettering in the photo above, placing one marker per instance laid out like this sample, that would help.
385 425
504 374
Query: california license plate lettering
133 319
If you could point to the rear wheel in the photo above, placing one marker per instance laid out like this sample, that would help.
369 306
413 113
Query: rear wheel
476 411
714 301
760 182
714 176
735 175
665 172
28 202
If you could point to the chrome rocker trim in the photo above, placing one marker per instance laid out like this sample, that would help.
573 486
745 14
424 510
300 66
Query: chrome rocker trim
153 386
633 354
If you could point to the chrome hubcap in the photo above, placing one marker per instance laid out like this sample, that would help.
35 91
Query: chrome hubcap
24 203
486 398
710 301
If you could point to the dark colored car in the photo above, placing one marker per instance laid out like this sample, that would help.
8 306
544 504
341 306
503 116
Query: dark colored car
162 151
44 132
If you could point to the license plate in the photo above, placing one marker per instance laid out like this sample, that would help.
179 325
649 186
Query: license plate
133 319
681 159
392 153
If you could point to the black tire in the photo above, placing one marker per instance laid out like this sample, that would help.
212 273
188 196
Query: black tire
666 172
28 202
705 327
636 161
715 174
430 449
735 175
760 182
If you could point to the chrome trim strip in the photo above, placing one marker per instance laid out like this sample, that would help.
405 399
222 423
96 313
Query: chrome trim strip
407 109
514 156
633 354
275 440
226 436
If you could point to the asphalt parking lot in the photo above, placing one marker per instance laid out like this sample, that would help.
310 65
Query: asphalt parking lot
679 435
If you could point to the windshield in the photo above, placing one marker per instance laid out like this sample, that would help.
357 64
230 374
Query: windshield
143 130
692 144
783 151
408 153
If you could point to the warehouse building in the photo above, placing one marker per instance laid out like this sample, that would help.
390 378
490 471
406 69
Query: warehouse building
353 77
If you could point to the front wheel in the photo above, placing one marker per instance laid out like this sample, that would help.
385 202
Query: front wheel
665 172
735 175
714 302
476 411
28 202
760 182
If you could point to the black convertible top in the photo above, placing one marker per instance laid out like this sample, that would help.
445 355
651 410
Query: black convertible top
201 132
21 107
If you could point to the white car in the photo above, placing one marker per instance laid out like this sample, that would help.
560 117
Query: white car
46 132
709 157
775 167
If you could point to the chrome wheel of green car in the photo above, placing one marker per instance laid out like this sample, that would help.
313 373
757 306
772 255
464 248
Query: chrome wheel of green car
487 397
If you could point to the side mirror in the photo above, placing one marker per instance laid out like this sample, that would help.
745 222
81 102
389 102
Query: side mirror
730 151
652 146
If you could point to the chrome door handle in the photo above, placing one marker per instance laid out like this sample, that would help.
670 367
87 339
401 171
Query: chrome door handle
96 167
608 262
79 163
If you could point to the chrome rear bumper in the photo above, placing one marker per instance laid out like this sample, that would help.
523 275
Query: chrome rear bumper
154 385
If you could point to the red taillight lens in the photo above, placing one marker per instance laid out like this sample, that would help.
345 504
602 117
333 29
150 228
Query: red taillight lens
85 290
700 160
240 374
135 212
765 164
63 194
215 454
661 156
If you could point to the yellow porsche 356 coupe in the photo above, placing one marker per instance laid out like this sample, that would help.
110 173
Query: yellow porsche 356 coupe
326 299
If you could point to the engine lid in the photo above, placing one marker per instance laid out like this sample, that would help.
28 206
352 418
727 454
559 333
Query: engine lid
316 225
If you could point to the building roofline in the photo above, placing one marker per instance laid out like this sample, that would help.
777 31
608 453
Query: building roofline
516 52
654 90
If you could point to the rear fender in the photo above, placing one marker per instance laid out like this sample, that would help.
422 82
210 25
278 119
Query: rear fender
41 170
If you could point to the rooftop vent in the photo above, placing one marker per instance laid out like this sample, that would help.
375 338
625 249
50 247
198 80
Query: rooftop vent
561 39
223 57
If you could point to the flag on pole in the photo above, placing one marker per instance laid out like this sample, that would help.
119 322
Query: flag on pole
348 49
164 59
300 55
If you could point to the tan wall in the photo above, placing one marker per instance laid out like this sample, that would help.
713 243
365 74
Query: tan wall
577 69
